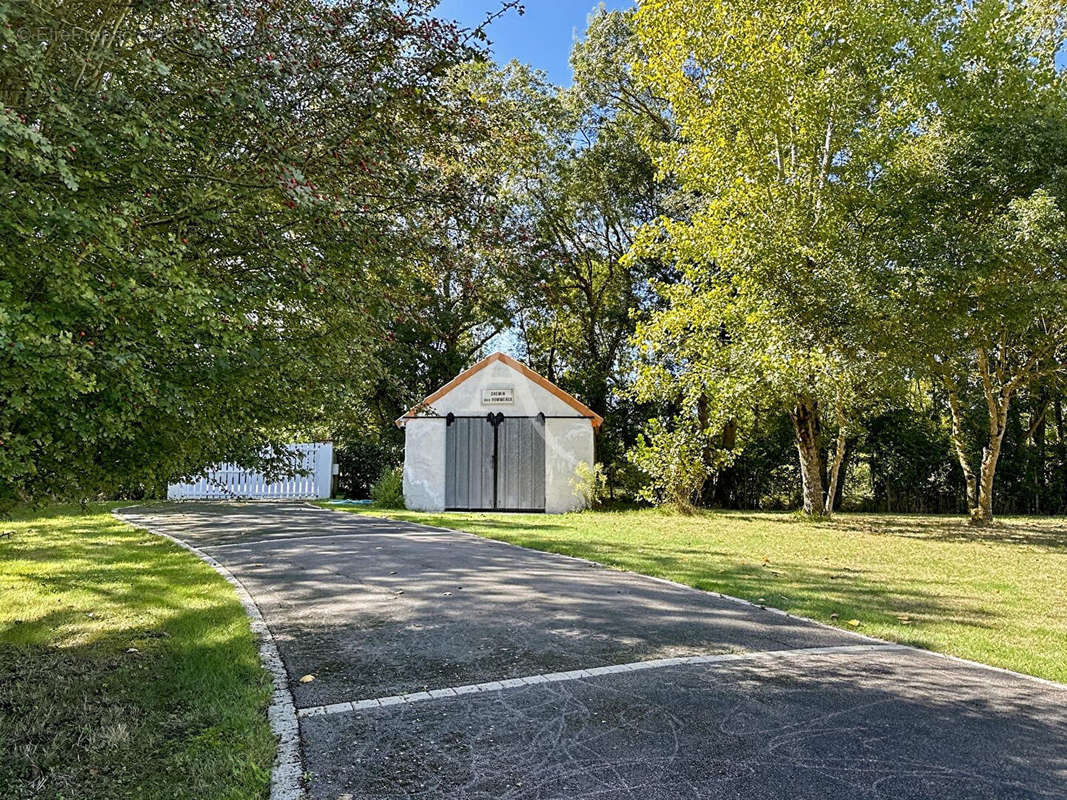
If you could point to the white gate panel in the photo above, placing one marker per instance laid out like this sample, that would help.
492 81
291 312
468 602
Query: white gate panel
230 482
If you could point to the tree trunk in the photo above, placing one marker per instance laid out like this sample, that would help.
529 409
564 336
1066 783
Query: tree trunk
983 514
726 480
1061 456
729 435
835 470
1038 427
805 417
959 442
846 464
998 401
707 452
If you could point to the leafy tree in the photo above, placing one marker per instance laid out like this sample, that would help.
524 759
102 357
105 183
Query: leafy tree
463 262
911 462
457 291
979 259
784 116
361 459
581 184
764 472
202 208
1029 471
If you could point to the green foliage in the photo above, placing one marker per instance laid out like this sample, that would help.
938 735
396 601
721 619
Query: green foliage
1032 475
590 482
362 460
911 463
203 211
875 190
465 263
672 461
754 224
388 490
783 115
977 195
579 181
763 474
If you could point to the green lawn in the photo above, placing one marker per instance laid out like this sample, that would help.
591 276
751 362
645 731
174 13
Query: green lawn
998 596
127 668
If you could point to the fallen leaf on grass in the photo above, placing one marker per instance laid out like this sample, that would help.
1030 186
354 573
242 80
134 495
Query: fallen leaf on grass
854 623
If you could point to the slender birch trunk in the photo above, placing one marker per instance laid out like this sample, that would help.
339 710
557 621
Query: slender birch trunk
805 417
1061 454
835 469
980 485
959 443
998 400
983 514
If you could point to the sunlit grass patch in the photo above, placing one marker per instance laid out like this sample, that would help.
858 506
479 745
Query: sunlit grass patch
996 595
127 667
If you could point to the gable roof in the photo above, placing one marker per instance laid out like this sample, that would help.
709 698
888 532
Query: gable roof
519 367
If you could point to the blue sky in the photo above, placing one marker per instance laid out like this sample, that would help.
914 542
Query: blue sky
542 36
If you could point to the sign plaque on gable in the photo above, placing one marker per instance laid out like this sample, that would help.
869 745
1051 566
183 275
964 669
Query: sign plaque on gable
498 396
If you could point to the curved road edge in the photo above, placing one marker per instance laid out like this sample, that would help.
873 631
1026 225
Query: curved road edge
287 772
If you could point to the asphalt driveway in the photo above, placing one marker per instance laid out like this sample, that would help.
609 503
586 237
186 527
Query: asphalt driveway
449 667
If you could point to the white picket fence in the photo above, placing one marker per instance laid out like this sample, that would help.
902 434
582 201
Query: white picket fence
230 482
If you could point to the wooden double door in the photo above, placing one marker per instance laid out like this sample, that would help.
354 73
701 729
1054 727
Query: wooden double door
495 463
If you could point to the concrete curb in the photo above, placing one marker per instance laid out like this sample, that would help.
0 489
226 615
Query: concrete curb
287 773
730 598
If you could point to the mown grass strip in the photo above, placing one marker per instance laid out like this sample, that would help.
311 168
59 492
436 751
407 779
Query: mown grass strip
127 667
996 595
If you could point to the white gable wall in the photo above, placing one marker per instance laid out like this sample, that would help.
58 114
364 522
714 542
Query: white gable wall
530 398
568 441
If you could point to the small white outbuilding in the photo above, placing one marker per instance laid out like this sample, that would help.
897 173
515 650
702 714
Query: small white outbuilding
497 437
